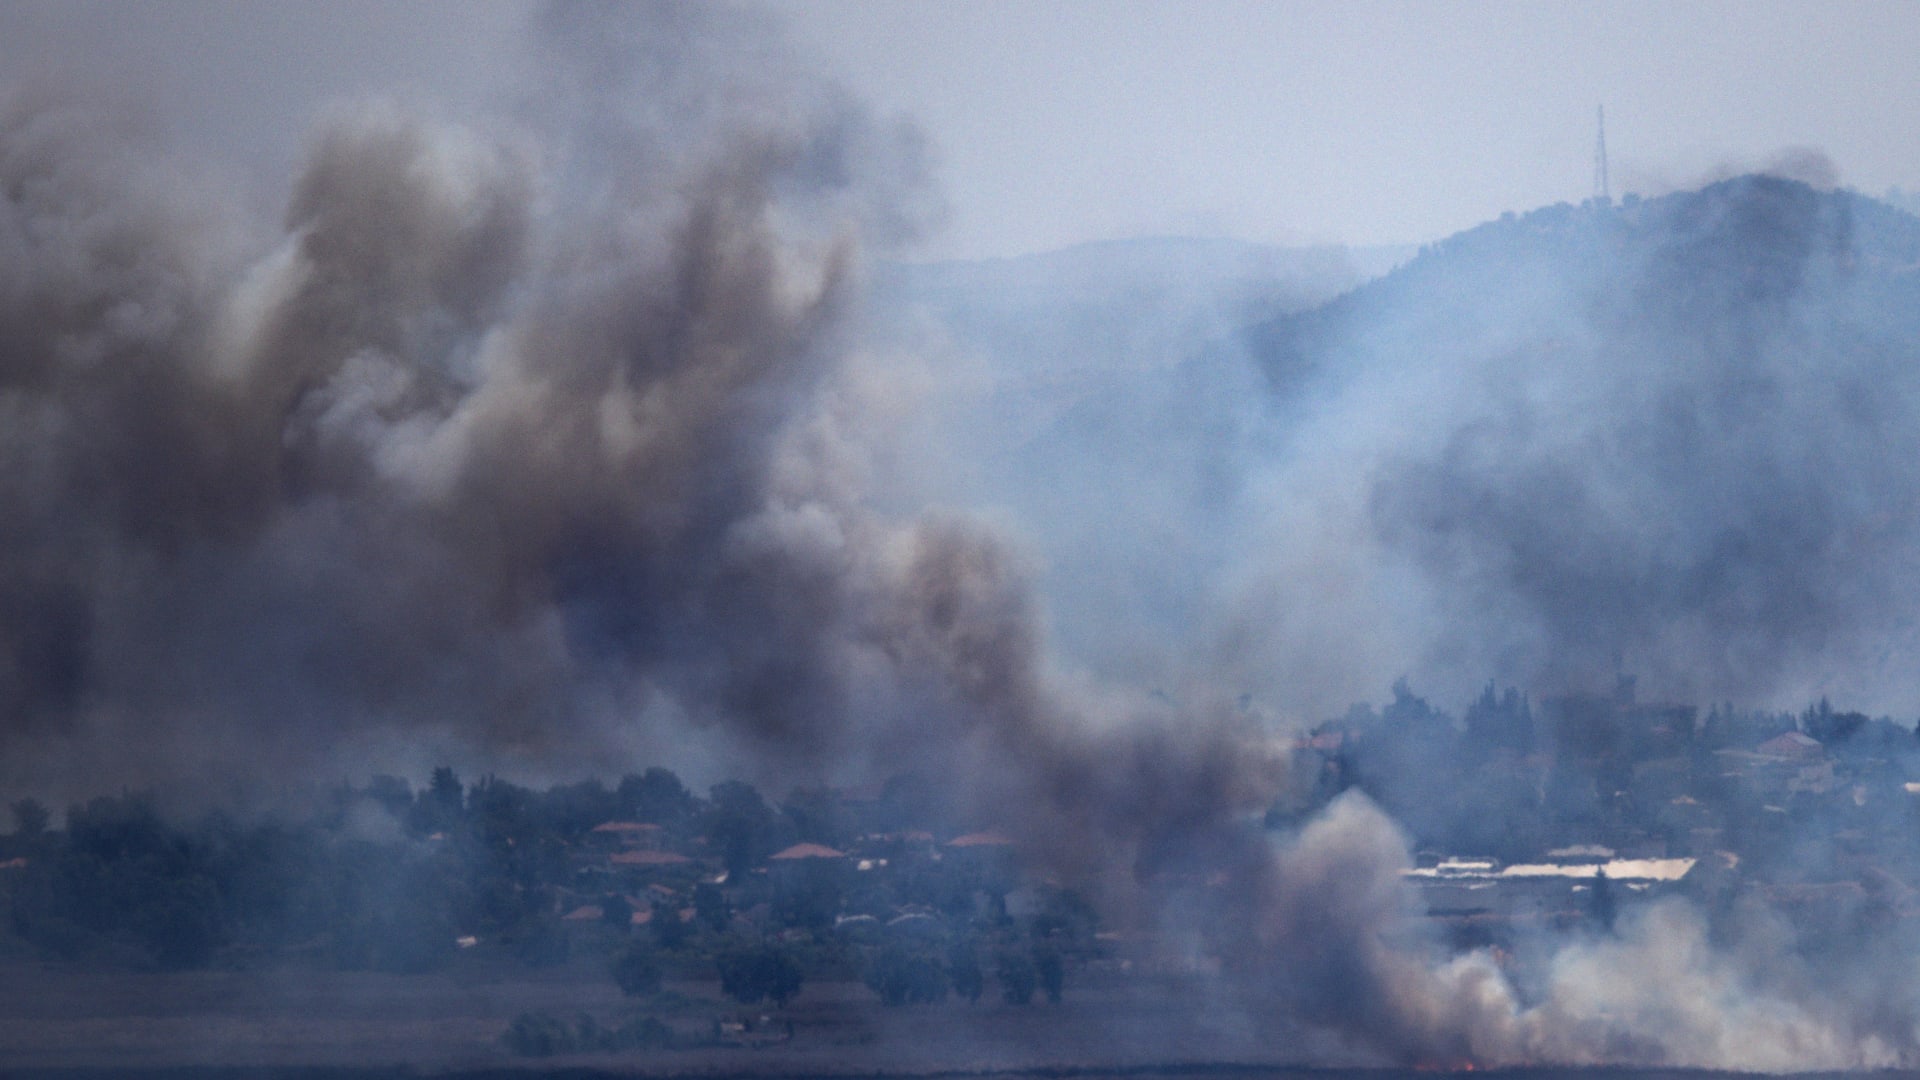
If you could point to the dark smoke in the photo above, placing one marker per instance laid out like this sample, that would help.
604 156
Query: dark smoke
494 440
534 444
553 441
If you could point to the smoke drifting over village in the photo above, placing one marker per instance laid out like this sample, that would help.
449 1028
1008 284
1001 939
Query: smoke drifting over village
527 449
507 434
607 433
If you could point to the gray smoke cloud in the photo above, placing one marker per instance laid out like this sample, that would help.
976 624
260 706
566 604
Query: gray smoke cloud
1337 922
489 429
541 443
1673 436
1670 438
561 440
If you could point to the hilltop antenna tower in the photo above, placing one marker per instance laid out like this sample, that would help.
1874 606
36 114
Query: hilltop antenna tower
1600 190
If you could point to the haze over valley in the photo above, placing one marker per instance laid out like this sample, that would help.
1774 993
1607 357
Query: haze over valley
583 540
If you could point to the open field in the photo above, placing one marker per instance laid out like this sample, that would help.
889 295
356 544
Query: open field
60 1018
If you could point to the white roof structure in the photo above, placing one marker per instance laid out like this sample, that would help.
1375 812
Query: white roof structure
1649 870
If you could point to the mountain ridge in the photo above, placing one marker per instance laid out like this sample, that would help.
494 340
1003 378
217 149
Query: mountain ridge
1679 431
1703 230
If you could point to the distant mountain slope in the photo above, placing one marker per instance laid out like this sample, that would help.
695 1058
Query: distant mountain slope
1150 301
1685 432
1096 400
1735 249
1681 435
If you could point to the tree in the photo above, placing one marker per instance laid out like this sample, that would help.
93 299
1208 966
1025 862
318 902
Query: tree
440 807
740 825
816 816
1411 711
668 931
637 971
540 941
1052 971
538 1035
903 975
1503 721
122 827
754 973
616 912
1826 726
571 809
30 817
181 923
907 802
391 793
711 908
501 812
657 796
963 967
1017 978
1602 904
809 893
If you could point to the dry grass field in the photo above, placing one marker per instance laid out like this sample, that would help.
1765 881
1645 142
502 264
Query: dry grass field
54 1018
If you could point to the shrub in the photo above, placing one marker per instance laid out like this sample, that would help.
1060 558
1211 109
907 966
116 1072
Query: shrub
641 1033
538 1035
904 976
759 972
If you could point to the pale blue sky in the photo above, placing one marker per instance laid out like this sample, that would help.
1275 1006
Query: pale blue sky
1368 122
1057 122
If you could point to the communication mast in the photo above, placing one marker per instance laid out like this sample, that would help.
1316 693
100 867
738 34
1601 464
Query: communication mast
1600 191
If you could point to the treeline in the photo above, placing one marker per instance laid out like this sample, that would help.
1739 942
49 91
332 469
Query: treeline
389 878
1511 777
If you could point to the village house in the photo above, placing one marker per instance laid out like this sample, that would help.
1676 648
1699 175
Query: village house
626 835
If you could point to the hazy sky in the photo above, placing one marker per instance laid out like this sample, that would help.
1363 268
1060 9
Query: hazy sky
1059 122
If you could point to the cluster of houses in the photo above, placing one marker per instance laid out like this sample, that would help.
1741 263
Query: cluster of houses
1634 800
1560 886
636 862
1794 820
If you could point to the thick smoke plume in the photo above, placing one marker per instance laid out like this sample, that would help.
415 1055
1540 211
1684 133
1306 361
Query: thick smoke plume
534 444
1338 924
494 437
559 440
